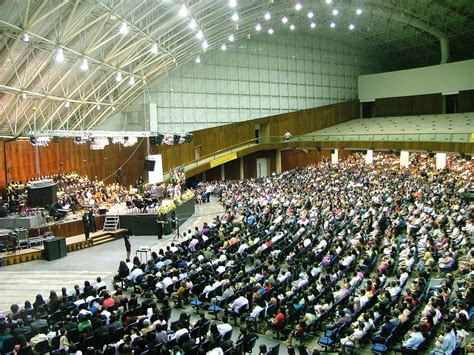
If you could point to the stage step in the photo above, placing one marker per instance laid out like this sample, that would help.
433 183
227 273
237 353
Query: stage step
111 223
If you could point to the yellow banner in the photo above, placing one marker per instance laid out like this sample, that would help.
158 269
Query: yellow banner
222 160
472 137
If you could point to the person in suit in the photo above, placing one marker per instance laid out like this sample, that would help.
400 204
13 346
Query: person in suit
93 227
86 224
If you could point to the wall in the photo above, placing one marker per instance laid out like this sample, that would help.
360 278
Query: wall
250 163
444 78
263 76
299 158
409 105
466 101
66 156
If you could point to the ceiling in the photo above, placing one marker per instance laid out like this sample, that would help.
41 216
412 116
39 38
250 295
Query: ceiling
146 39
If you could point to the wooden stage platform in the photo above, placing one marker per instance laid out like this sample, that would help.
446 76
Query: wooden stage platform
73 243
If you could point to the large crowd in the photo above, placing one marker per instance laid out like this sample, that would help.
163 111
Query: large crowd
352 255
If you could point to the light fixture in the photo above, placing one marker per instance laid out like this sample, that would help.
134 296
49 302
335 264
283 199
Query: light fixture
231 37
59 56
67 104
328 2
223 47
192 24
235 17
183 11
258 27
84 64
232 3
358 11
270 31
313 25
335 12
131 81
267 16
199 35
25 37
118 77
333 24
98 107
298 6
205 44
154 48
123 29
198 60
113 108
23 96
310 14
284 19
292 27
351 26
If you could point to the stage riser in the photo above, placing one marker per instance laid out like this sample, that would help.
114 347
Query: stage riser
68 229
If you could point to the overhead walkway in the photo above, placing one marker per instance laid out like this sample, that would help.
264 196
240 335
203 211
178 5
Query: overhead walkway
446 128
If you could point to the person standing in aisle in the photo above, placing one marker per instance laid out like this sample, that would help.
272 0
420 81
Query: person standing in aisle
128 246
86 224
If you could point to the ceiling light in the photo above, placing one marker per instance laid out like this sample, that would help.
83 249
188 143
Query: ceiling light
267 16
192 24
183 11
328 2
231 38
123 29
235 17
198 60
59 56
223 47
292 27
199 35
98 107
131 81
232 3
351 26
310 14
284 19
335 12
118 77
84 64
113 108
25 37
298 6
313 25
333 24
67 104
23 96
258 27
154 48
358 11
205 44
270 31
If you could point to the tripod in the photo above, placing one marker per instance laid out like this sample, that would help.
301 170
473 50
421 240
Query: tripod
177 234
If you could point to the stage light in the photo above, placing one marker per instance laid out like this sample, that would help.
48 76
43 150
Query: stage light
313 25
205 45
270 31
59 56
359 11
183 11
267 16
67 104
118 77
335 12
23 96
199 35
231 37
298 6
25 37
292 27
123 29
310 14
333 24
223 47
232 3
328 2
235 17
84 64
131 81
351 26
258 27
192 24
198 60
154 48
98 107
284 19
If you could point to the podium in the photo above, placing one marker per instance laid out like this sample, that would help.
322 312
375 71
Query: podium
55 249
42 193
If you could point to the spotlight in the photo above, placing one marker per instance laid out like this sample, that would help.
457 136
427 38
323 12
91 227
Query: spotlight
313 25
284 19
258 27
198 60
235 17
199 35
232 3
123 29
298 6
131 81
351 26
205 44
359 11
335 12
292 27
270 31
267 16
84 64
192 24
25 37
333 24
310 14
223 47
183 11
328 2
118 77
23 96
231 38
59 56
154 48
67 104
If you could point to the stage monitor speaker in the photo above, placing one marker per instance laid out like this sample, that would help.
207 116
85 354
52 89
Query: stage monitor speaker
62 247
149 165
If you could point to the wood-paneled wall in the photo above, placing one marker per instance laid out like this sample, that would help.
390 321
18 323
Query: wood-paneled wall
232 170
299 158
409 105
250 163
466 101
215 139
23 161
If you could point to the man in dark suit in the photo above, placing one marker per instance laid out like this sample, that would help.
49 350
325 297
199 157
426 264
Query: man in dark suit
385 330
86 224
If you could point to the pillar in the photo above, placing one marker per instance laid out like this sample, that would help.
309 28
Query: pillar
335 156
369 157
440 161
404 158
222 172
242 172
278 161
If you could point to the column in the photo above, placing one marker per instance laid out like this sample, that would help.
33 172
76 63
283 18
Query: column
440 161
369 157
278 161
222 172
335 157
404 158
241 161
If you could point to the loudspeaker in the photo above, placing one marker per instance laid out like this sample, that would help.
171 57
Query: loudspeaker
55 139
62 247
176 139
55 249
33 140
188 138
149 165
42 196
156 140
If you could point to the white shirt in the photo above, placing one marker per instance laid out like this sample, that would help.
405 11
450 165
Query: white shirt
239 303
224 328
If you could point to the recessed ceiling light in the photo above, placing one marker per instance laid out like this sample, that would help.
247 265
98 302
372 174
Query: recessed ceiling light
333 24
351 26
292 27
98 107
205 44
235 17
123 29
258 27
298 6
154 48
231 37
313 25
284 19
23 96
59 56
223 47
267 16
192 24
84 64
183 11
270 31
310 14
199 35
232 3
358 11
335 12
328 2
198 60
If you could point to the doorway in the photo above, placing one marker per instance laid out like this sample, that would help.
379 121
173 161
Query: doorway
262 167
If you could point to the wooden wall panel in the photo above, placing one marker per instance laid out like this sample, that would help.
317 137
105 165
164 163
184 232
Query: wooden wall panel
23 161
232 170
409 105
298 158
213 174
250 163
466 101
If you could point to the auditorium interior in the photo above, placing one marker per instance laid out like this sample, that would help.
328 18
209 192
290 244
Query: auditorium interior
236 177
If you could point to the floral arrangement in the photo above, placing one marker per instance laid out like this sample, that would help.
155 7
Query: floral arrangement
188 195
166 208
